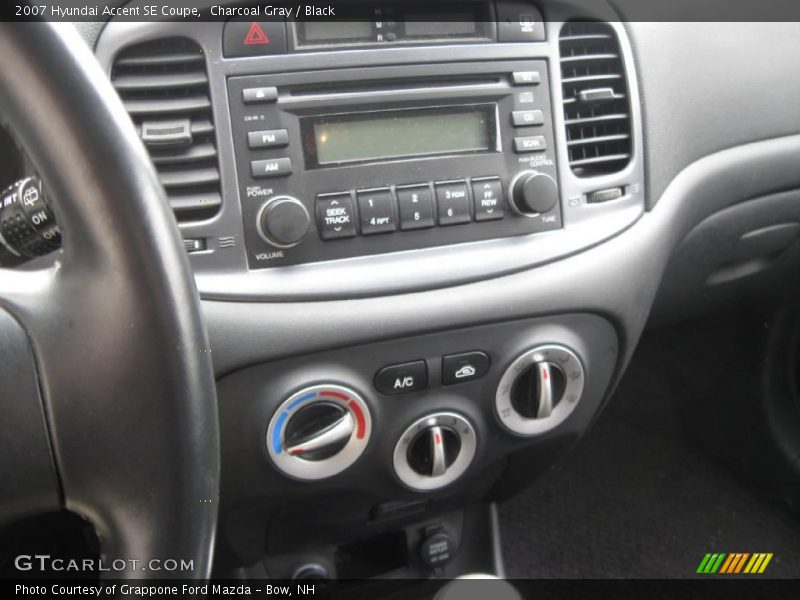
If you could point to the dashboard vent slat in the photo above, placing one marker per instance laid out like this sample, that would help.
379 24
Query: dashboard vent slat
159 81
595 99
164 87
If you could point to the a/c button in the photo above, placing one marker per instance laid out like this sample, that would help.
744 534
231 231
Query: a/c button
402 378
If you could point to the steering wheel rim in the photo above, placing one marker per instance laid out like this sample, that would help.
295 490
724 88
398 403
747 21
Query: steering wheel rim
121 351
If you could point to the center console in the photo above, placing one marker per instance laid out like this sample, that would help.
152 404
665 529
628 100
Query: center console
352 192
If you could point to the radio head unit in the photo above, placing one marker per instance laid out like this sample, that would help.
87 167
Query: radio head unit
392 158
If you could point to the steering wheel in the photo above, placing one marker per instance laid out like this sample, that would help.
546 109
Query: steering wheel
120 348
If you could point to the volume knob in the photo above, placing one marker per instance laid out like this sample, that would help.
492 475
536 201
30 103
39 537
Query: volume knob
533 193
283 222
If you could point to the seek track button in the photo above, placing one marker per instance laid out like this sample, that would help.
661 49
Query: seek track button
335 216
402 379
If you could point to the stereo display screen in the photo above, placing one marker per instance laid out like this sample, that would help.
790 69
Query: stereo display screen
398 134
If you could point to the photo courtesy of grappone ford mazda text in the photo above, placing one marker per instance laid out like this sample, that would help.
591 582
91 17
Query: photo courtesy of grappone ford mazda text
426 300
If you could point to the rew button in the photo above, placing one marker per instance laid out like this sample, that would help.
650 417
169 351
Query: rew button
402 379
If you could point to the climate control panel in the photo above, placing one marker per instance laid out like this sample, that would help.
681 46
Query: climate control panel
386 432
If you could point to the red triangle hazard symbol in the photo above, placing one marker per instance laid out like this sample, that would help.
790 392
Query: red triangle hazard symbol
255 35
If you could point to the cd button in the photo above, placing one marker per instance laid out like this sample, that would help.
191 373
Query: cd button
416 206
487 196
523 118
335 216
453 202
377 213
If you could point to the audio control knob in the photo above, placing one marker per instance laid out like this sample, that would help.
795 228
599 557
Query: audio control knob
533 193
434 451
539 390
283 222
318 431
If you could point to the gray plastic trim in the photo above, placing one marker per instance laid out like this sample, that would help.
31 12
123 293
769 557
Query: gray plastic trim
222 273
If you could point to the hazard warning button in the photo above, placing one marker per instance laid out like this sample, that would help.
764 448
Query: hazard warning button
254 38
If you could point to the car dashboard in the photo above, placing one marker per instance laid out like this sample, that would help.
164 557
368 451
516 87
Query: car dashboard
426 247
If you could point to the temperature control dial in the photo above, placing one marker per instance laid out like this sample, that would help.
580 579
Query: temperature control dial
434 451
539 390
318 431
533 193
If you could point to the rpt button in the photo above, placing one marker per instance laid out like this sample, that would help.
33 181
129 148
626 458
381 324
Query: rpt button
376 209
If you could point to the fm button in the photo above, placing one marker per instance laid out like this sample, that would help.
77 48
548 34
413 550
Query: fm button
402 379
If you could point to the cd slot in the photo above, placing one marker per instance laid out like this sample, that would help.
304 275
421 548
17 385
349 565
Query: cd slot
398 92
391 85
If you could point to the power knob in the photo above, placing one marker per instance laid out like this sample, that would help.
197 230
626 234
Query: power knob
283 222
533 193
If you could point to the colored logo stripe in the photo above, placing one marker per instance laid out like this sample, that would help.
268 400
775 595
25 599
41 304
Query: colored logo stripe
734 563
758 563
710 563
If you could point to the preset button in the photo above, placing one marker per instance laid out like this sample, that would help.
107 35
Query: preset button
416 206
451 196
376 211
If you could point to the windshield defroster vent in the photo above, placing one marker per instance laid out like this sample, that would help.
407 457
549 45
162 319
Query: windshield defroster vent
164 87
595 91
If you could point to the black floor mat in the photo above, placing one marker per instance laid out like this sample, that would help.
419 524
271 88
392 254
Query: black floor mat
630 503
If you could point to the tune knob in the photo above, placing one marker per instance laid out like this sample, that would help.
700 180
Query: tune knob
434 451
539 390
318 431
283 222
533 193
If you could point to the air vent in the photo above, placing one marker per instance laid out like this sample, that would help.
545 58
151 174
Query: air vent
164 86
596 108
